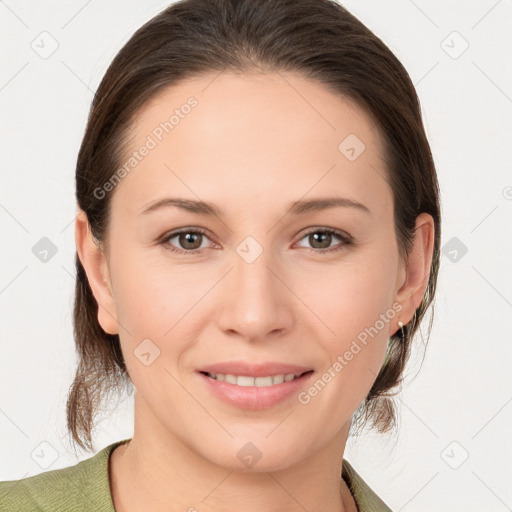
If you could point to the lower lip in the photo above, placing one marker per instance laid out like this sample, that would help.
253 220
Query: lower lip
255 397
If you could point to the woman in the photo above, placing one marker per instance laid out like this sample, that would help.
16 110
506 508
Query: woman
257 242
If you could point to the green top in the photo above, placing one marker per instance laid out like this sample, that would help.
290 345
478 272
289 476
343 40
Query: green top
85 487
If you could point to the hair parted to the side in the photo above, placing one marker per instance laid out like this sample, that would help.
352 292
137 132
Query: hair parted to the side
320 40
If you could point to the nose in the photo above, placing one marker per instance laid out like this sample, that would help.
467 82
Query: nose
256 303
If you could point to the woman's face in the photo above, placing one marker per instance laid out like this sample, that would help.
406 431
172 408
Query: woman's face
262 283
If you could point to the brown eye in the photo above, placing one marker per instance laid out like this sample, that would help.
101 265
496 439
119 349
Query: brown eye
320 240
190 240
187 241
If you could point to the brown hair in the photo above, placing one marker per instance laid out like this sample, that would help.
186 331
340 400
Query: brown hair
320 40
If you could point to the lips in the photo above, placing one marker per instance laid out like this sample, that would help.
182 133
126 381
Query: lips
240 368
254 386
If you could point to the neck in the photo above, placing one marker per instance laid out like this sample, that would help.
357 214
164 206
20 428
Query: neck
156 470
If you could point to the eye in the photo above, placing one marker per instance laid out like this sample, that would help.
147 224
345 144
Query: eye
321 238
190 240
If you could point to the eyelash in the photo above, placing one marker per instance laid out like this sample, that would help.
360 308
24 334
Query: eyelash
342 236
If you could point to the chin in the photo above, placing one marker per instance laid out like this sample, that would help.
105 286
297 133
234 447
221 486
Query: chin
255 457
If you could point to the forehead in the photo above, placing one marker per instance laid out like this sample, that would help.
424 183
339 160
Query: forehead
244 136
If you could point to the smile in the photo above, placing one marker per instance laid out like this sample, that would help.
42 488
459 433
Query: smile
254 393
246 380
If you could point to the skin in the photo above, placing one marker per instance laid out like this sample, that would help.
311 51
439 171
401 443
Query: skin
253 145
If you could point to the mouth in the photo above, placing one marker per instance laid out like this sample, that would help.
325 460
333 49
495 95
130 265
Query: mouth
260 382
258 392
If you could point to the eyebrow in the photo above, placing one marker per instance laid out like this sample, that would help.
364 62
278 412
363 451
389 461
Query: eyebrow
296 208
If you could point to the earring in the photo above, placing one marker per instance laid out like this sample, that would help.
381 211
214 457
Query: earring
401 327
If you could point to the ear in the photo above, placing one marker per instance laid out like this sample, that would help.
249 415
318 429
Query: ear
414 280
94 262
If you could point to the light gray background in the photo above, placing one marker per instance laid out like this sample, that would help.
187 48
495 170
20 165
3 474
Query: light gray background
457 406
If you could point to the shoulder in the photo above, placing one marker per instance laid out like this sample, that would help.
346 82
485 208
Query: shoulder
82 487
364 496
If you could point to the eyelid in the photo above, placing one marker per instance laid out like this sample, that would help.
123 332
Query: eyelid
344 237
164 240
325 229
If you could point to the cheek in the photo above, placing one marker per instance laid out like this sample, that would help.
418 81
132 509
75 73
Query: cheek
151 295
357 315
152 311
349 299
152 303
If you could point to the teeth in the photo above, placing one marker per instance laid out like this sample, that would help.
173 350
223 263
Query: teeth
245 380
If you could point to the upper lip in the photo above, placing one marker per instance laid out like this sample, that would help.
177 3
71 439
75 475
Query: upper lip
253 370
